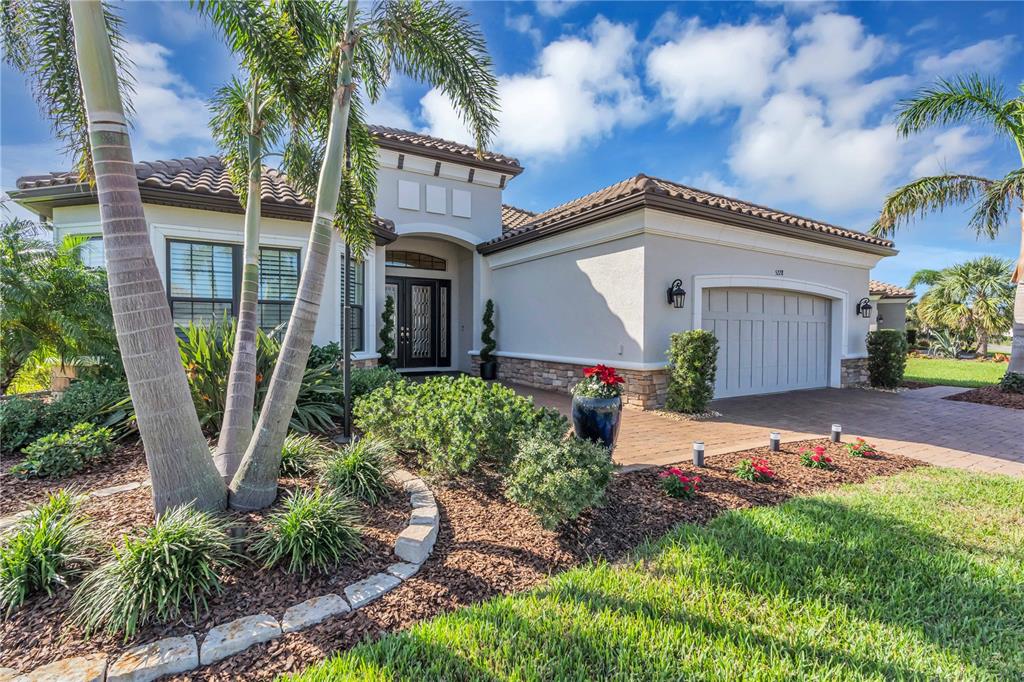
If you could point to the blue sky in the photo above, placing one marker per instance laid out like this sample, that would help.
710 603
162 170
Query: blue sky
785 104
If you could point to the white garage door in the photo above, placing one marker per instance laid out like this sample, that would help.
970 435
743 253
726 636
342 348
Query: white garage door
769 340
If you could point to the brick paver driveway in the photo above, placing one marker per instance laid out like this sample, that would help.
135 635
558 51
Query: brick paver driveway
917 424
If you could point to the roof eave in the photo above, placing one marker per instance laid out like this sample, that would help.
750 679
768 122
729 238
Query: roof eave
508 169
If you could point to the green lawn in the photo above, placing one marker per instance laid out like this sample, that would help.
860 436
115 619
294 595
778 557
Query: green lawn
919 576
969 373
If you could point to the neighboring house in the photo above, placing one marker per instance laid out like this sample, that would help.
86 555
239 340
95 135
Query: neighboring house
582 283
890 305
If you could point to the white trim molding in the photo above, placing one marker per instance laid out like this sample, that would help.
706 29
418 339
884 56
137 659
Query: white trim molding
839 297
619 364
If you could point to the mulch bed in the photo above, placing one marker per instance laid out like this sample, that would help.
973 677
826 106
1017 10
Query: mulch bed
991 395
488 546
125 464
40 632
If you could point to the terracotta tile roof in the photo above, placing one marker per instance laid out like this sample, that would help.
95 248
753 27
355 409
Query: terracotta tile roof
886 290
513 217
396 137
202 175
644 190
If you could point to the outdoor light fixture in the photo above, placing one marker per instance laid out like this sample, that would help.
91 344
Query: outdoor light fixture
879 318
864 307
677 294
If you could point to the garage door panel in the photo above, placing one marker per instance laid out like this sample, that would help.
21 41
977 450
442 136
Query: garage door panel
769 341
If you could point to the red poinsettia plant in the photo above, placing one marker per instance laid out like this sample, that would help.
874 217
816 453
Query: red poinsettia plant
757 470
599 381
678 484
861 448
816 458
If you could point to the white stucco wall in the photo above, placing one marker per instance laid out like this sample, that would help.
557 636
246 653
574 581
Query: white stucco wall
894 315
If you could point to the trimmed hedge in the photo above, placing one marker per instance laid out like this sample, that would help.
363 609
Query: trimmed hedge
692 362
887 357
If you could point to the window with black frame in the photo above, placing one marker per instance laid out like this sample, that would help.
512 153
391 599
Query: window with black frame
356 298
279 281
201 281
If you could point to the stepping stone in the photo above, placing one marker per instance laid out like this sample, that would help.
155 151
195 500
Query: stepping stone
312 611
156 659
403 570
427 515
91 668
415 543
238 635
365 591
115 489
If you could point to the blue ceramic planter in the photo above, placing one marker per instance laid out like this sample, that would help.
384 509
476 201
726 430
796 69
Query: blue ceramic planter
597 419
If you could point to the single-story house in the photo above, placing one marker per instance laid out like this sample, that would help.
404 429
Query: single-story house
890 305
605 278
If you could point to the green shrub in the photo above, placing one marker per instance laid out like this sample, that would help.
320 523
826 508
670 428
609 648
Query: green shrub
367 380
911 337
44 550
361 469
302 453
387 333
62 454
329 355
175 563
887 357
692 361
84 401
454 423
19 422
312 531
487 342
1012 382
558 480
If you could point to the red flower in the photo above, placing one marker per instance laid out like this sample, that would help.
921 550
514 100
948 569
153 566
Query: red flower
819 450
604 373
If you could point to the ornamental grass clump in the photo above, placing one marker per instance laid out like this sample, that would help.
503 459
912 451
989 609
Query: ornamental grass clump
159 572
816 458
46 549
302 453
756 470
312 531
361 469
861 448
677 484
62 454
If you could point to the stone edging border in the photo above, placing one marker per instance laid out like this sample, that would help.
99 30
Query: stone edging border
174 655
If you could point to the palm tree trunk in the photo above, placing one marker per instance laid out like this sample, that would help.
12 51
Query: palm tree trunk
255 484
1017 349
179 460
236 429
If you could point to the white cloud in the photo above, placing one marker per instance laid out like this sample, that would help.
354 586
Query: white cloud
523 23
986 55
168 110
389 111
798 7
926 25
554 8
952 151
833 49
179 22
712 183
582 89
706 70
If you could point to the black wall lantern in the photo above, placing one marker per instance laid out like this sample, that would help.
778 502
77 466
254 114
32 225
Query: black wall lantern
677 294
864 307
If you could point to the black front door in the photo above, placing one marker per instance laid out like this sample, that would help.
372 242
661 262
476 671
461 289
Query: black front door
422 321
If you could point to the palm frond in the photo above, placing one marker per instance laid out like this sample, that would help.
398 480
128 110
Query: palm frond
964 99
993 208
926 276
918 198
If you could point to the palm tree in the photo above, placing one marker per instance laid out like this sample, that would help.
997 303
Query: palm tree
73 56
974 297
968 99
429 41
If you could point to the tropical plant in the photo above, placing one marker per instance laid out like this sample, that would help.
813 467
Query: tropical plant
559 480
429 41
944 344
158 572
52 303
887 357
329 354
974 297
73 55
83 401
361 469
966 99
302 453
312 531
692 362
387 333
62 454
46 549
487 341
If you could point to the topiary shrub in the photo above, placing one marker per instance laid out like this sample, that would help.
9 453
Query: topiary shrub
302 453
488 344
887 357
313 530
19 422
692 361
46 549
62 454
387 333
360 469
174 564
558 480
368 380
1012 382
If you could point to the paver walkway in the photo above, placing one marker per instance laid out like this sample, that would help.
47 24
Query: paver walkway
918 424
